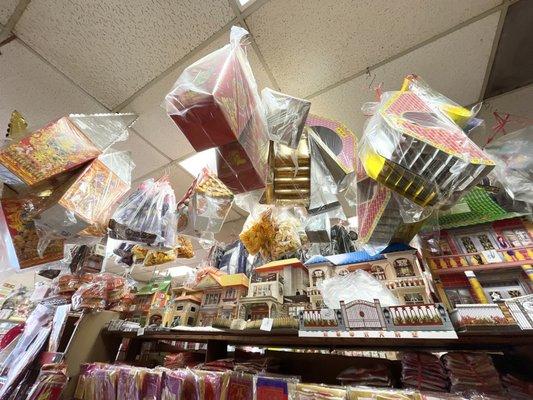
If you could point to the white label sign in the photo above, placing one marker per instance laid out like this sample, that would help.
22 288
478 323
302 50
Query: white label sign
266 324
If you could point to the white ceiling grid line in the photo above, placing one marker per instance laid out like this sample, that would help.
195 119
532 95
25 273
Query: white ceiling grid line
308 50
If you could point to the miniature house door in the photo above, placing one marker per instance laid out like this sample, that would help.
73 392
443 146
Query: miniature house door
501 290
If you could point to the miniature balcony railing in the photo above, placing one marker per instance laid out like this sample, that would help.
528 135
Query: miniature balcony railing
405 283
416 315
514 254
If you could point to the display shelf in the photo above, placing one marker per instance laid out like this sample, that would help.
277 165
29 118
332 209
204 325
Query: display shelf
289 338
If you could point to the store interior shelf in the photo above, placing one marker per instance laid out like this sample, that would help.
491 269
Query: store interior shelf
289 338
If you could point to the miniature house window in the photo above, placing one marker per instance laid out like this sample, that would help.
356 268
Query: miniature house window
403 268
378 273
459 296
485 242
212 298
413 298
231 293
318 276
176 321
518 237
179 308
193 309
190 321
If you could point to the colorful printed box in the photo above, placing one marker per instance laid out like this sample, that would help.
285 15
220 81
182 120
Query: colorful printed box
21 237
44 158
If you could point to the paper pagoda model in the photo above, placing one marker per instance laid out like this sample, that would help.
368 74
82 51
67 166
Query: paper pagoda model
482 265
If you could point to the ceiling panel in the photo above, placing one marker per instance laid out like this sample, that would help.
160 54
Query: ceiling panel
36 89
112 48
145 157
457 76
6 9
155 125
517 103
310 44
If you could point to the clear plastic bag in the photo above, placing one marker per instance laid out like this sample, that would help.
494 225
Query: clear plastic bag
90 296
337 146
83 204
272 232
267 387
215 103
147 215
205 206
412 146
513 154
128 384
43 159
358 285
285 115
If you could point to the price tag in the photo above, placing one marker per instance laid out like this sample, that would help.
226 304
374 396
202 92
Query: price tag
266 324
140 331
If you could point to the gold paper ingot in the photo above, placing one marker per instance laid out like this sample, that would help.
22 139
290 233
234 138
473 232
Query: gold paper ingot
17 127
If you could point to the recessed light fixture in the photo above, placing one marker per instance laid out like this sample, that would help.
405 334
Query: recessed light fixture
194 164
244 2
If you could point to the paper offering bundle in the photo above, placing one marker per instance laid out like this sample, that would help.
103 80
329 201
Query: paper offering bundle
205 206
42 158
147 215
412 146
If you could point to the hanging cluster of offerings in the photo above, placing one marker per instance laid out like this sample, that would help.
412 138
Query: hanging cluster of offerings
324 247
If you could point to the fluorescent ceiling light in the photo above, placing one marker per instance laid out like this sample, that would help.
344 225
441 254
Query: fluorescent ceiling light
244 2
194 164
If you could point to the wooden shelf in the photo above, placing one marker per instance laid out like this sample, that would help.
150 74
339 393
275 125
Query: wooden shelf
289 338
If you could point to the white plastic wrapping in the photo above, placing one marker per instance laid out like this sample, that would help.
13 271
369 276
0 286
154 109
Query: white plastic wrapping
413 146
358 285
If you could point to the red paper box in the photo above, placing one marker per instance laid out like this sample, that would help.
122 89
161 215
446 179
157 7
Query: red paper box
215 98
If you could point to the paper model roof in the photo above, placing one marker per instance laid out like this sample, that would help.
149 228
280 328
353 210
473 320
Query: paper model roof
476 207
360 256
233 280
280 264
194 299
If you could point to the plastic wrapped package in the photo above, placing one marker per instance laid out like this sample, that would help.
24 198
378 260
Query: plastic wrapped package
274 387
513 154
151 384
423 371
517 389
274 232
211 384
318 229
90 296
205 206
29 344
50 383
379 216
377 374
84 201
367 393
19 235
239 386
215 103
472 373
318 392
67 283
234 259
105 383
84 258
285 115
413 147
147 215
158 257
337 145
58 326
45 158
358 285
128 384
289 179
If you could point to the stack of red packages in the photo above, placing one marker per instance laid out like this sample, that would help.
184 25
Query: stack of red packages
472 373
423 371
517 389
50 383
180 360
377 375
218 365
99 291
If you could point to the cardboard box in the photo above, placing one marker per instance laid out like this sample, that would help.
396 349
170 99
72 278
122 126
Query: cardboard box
47 157
88 198
215 98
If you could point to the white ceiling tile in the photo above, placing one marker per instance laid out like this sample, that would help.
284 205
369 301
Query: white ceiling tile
153 123
454 65
517 103
36 89
311 44
6 9
112 48
145 157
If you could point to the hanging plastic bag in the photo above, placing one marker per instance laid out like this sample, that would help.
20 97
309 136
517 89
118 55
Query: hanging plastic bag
513 154
286 116
147 215
47 157
412 146
205 206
